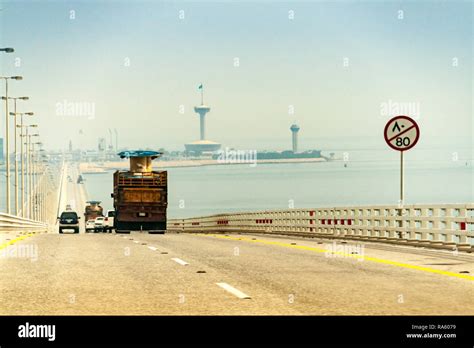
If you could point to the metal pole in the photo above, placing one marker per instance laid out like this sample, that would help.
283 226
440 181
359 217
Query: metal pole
23 214
33 181
28 150
202 94
401 177
7 146
16 165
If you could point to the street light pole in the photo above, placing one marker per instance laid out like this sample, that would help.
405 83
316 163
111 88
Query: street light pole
36 181
22 167
32 176
28 170
15 114
7 140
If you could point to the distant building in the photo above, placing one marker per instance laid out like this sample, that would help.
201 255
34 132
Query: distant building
294 134
101 146
202 145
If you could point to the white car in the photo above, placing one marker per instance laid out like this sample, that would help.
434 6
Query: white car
109 220
90 225
99 224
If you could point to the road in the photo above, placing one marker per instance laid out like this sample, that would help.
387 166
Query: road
185 274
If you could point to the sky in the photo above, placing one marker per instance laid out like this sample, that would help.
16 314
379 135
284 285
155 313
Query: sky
331 67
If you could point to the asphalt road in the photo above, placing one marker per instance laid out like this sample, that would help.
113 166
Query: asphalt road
184 274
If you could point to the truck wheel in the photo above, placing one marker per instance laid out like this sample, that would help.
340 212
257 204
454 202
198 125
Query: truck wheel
122 231
60 231
76 230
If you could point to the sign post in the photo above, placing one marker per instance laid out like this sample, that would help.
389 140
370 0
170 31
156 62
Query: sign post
401 133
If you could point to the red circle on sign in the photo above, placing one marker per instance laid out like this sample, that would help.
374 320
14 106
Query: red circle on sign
415 125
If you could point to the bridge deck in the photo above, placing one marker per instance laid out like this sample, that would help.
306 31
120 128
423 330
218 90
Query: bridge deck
218 274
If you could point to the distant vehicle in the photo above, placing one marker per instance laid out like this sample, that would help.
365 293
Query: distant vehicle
92 211
99 224
109 220
69 178
80 179
68 207
69 221
140 195
90 225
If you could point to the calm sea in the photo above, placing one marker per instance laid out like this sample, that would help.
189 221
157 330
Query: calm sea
434 175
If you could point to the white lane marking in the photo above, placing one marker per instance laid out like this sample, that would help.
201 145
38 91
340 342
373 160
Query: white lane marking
152 248
181 262
233 290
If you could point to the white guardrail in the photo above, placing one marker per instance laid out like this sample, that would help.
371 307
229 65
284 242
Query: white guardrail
15 223
444 226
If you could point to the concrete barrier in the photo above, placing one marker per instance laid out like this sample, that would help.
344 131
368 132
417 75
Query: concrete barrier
443 226
15 223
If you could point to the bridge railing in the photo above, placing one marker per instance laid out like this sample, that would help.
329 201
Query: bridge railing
445 226
15 223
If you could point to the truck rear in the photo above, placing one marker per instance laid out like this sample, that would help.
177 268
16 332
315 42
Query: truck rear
140 195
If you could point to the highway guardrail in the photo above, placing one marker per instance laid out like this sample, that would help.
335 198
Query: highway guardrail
442 226
14 223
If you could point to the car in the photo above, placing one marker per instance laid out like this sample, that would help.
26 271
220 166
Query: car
68 207
109 220
99 224
69 220
90 225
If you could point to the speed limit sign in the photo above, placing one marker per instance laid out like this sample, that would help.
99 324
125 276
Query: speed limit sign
401 133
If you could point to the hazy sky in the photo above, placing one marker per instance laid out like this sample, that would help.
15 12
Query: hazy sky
336 63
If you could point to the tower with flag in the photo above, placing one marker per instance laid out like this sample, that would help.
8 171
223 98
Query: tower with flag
202 145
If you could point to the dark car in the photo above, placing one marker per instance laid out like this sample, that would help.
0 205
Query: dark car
69 221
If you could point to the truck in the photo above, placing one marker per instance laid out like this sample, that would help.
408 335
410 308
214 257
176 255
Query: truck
140 194
92 211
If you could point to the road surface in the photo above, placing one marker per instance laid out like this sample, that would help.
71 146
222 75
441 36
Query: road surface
185 274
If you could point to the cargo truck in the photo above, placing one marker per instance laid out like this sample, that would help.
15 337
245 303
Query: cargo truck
140 194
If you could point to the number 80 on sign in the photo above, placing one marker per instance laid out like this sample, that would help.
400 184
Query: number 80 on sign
401 133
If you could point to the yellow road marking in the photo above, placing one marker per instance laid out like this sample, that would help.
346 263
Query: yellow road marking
368 258
4 245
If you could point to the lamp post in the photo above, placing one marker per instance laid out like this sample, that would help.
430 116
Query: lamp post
42 185
36 181
15 114
22 164
26 172
31 173
7 131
